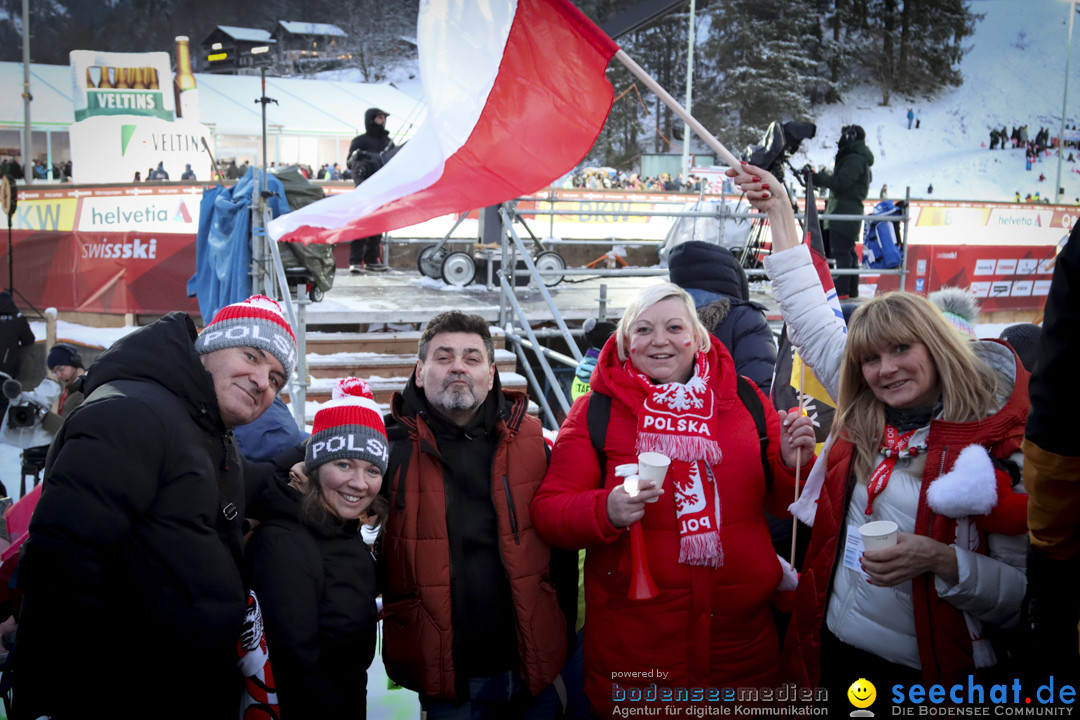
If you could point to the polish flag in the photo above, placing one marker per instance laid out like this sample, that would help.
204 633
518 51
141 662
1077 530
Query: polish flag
516 95
813 239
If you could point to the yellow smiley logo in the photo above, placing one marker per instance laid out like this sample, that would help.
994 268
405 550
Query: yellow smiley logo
862 693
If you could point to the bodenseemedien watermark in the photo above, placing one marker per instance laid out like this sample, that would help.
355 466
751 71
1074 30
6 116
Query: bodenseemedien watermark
653 700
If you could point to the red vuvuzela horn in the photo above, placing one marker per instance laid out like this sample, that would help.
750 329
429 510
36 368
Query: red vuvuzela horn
642 586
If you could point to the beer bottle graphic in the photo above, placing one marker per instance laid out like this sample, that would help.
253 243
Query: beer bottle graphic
187 95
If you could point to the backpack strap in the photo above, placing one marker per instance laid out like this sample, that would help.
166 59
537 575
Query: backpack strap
752 401
596 417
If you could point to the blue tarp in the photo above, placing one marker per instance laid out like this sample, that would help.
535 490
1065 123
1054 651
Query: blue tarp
271 434
223 245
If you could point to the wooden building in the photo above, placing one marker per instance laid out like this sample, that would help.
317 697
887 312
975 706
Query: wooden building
308 47
235 50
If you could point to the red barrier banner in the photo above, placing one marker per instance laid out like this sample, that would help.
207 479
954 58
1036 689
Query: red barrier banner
1001 277
131 248
109 249
1003 253
104 272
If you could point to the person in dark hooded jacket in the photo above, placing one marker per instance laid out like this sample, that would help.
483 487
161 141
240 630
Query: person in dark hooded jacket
366 253
849 184
314 575
66 365
134 600
717 283
15 334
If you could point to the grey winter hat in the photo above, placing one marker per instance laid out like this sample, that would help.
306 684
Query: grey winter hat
256 322
348 426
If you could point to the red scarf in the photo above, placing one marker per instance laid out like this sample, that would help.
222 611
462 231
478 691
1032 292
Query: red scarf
679 420
893 444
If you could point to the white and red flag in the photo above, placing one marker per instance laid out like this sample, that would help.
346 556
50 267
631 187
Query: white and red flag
516 95
812 237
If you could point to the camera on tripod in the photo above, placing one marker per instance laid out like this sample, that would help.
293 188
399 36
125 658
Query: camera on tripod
22 412
778 144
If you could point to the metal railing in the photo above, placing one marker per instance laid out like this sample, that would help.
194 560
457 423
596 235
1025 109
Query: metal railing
519 332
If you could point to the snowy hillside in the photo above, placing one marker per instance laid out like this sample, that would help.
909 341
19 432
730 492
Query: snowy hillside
1014 75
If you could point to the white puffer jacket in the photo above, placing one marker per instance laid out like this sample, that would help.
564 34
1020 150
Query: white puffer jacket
877 619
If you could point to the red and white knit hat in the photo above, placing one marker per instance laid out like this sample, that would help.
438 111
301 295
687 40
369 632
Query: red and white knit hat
256 322
348 426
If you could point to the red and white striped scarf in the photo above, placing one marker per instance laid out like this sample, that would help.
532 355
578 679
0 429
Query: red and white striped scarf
679 420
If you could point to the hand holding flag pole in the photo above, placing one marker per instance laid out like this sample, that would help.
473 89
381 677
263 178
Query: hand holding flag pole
798 460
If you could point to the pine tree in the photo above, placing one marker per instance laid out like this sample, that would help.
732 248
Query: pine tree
638 121
761 63
908 46
935 44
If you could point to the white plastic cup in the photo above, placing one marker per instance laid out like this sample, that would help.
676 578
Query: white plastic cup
878 534
630 485
653 466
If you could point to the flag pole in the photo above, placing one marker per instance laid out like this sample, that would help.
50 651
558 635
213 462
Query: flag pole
798 461
699 129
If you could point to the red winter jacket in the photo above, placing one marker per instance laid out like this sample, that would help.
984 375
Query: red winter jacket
944 644
418 628
707 627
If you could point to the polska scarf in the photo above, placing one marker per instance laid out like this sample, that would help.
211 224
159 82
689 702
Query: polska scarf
679 420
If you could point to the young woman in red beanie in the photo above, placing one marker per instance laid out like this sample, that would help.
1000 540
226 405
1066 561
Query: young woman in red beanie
311 570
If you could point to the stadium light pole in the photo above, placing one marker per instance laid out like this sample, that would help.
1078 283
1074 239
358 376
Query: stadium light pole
687 133
28 133
1064 102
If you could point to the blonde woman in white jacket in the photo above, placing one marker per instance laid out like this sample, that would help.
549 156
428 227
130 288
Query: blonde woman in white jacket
914 612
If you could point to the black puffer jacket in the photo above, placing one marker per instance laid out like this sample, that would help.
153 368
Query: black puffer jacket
717 283
15 334
134 599
316 585
375 139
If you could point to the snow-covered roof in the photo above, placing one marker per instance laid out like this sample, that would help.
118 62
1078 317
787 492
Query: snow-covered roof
304 107
306 28
227 103
246 34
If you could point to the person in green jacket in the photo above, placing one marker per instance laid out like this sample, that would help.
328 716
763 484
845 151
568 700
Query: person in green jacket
848 183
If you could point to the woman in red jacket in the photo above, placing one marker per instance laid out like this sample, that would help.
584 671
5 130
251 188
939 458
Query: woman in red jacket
673 390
